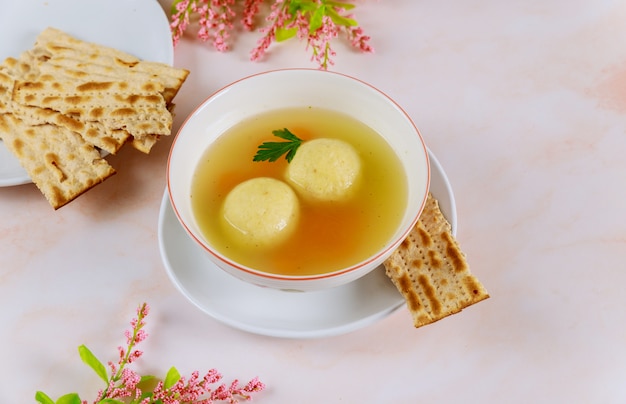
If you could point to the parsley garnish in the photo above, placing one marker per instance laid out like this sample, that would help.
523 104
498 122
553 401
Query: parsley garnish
271 151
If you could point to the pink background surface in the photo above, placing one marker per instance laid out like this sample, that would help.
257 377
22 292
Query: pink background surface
524 105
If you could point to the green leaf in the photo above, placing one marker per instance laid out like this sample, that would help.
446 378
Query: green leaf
93 362
110 401
173 9
43 398
147 378
341 20
301 5
71 398
272 151
339 4
286 134
294 6
147 384
171 378
317 19
282 34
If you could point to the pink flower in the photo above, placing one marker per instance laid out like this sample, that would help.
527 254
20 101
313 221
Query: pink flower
250 10
122 353
130 379
180 20
360 40
278 17
141 335
320 40
134 356
212 376
124 384
216 20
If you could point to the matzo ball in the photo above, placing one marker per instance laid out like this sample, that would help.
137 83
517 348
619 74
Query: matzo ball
325 169
261 211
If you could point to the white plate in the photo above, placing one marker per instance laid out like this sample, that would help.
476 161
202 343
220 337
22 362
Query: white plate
278 313
138 27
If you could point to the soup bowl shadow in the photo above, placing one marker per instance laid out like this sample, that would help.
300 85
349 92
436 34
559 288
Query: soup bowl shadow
292 88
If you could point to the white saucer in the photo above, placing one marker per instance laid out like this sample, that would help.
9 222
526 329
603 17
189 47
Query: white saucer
138 27
279 313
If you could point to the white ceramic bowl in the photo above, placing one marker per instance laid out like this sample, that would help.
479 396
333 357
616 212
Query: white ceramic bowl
286 89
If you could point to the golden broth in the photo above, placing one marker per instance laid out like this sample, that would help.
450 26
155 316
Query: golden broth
329 236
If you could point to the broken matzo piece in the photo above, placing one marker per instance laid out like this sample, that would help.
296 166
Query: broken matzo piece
59 161
56 47
430 270
117 105
65 97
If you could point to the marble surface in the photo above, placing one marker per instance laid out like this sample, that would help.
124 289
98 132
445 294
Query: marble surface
523 103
